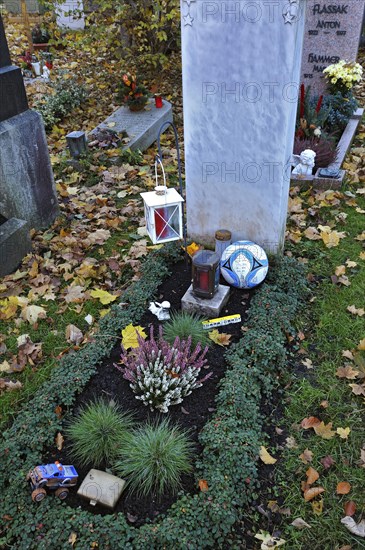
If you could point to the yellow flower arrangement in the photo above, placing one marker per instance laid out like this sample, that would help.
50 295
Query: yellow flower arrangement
342 76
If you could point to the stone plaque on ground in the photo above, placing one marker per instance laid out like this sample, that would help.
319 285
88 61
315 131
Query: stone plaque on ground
332 32
241 73
27 189
142 126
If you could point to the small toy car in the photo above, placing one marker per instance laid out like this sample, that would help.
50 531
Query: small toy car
54 477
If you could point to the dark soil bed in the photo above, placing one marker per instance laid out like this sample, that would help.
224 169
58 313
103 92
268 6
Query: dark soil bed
192 415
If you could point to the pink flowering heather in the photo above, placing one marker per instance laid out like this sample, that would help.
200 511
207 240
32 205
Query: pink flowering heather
161 374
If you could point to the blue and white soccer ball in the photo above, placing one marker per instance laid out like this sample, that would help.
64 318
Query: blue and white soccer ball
244 264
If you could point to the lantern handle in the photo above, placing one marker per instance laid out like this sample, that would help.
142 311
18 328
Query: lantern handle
158 161
164 127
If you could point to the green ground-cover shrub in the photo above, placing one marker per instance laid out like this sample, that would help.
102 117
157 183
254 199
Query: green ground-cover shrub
67 95
231 439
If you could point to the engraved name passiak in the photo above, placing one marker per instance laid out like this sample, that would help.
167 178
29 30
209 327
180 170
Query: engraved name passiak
339 9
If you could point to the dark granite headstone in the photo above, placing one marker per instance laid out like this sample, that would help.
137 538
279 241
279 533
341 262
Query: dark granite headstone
13 99
27 189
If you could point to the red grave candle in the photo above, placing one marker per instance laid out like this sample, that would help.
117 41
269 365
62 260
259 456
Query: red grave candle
158 101
204 280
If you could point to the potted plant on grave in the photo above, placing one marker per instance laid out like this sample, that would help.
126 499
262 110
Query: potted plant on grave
40 37
312 128
26 64
132 93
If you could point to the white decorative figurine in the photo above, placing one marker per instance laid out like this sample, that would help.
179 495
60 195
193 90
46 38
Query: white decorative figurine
304 163
162 311
46 73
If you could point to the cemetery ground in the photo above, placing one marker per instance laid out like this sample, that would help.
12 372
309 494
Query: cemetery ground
299 392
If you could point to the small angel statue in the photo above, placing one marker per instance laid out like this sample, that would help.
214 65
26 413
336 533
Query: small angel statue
304 163
46 73
162 311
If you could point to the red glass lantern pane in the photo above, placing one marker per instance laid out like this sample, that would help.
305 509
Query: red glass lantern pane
161 217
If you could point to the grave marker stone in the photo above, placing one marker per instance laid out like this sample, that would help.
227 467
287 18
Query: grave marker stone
332 32
241 74
27 188
142 127
13 99
65 18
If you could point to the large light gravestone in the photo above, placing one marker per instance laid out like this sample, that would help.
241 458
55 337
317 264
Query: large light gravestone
27 188
332 32
241 72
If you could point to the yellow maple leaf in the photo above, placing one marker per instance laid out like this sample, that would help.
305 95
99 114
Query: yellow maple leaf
361 345
130 333
104 296
343 432
340 270
192 249
220 338
7 309
329 237
269 542
5 367
104 312
362 256
265 456
356 311
360 237
317 506
33 313
324 430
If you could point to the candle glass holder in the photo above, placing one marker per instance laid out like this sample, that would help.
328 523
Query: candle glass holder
205 273
158 101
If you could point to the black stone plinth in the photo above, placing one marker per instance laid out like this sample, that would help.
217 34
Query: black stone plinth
15 243
13 99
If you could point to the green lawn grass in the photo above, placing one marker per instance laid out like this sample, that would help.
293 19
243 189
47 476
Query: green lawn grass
329 329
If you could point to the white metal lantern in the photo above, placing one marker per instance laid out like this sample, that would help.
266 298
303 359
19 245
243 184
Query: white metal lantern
163 212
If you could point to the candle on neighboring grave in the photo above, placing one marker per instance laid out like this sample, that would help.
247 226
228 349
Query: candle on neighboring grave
158 101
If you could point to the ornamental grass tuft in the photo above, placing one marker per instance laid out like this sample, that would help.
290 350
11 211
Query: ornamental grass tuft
154 458
183 325
98 433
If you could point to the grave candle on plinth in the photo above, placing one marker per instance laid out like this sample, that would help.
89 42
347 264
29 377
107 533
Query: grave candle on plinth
158 101
205 273
163 213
